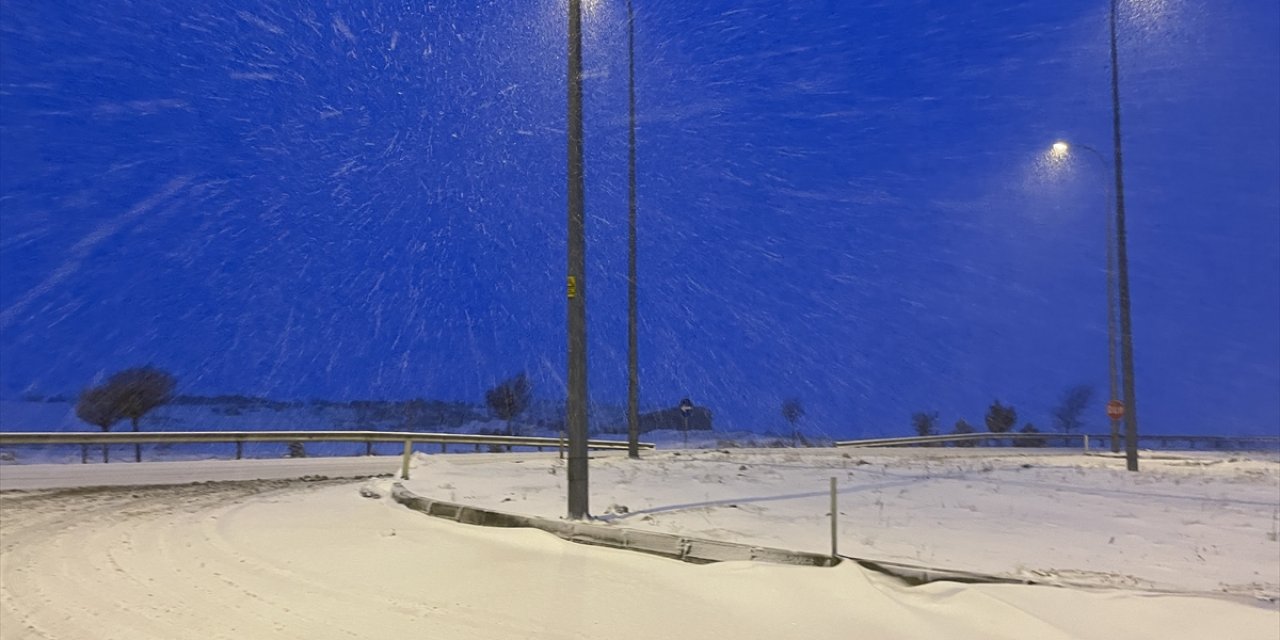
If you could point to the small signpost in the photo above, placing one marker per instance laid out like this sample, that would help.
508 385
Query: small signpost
686 408
1115 411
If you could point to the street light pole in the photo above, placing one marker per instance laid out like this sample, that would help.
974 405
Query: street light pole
1113 375
1122 263
576 413
633 366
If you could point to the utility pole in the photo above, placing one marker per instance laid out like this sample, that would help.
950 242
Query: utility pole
576 414
1122 259
633 366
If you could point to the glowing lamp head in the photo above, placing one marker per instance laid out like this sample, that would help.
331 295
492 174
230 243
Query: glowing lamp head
1061 148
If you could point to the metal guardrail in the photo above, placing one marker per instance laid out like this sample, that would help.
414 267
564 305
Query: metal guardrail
153 437
1209 443
963 437
1263 442
408 438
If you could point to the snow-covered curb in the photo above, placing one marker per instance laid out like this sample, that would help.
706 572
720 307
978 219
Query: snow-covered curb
668 545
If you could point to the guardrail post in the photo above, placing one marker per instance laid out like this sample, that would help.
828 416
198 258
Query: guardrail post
368 447
239 449
404 462
84 454
1086 443
562 445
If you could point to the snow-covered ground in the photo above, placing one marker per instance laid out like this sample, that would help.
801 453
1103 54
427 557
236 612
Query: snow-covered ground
1194 522
317 561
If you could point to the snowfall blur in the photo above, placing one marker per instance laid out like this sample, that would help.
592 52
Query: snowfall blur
853 220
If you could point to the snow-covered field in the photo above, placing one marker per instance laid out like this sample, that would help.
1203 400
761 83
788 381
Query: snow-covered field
289 559
1191 522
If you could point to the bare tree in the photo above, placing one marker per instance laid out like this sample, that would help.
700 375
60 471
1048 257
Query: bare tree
96 408
1031 442
509 399
1067 415
1001 418
963 427
136 392
792 412
925 423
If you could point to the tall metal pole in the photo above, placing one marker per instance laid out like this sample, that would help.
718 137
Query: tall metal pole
633 341
1113 375
1122 264
576 414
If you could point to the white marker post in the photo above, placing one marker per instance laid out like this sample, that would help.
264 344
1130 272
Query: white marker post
835 513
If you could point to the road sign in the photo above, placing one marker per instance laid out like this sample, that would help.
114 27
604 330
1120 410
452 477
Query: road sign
686 407
1115 409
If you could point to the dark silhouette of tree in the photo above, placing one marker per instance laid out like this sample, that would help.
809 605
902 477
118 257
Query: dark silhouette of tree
96 408
1067 415
925 423
792 412
1031 442
136 392
509 399
962 427
1001 418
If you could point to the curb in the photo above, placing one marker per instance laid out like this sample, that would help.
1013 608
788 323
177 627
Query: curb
686 549
693 550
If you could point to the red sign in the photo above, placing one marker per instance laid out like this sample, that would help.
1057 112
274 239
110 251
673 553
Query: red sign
1115 409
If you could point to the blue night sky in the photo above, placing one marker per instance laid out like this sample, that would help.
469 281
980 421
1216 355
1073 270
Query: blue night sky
844 201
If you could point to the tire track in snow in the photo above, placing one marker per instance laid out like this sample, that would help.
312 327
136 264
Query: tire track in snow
93 551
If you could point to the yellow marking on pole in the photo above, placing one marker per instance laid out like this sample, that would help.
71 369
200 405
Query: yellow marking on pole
573 287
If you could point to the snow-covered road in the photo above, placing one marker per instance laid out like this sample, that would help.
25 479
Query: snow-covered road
290 559
61 476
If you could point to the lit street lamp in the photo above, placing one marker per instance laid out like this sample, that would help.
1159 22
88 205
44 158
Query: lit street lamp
1061 149
1129 408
